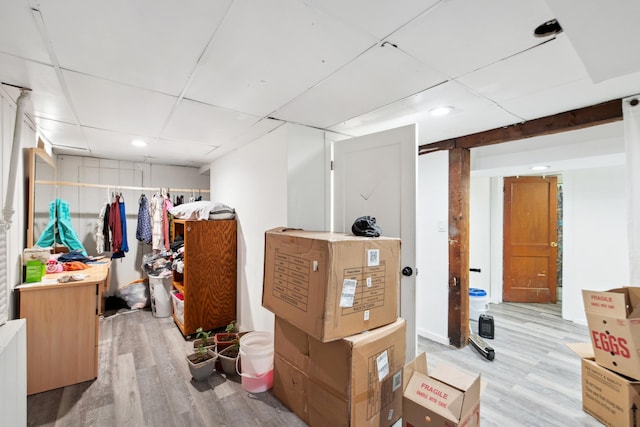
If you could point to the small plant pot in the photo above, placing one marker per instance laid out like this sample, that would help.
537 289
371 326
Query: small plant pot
228 358
202 369
224 340
210 344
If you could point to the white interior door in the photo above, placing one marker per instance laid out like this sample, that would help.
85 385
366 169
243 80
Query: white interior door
376 175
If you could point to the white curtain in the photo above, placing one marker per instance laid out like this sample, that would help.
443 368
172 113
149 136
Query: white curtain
631 115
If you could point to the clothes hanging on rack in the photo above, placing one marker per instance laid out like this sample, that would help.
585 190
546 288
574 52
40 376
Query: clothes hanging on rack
156 207
143 231
59 229
105 228
165 222
115 225
124 246
100 231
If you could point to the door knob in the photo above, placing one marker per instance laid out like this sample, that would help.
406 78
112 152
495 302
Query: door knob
407 271
553 244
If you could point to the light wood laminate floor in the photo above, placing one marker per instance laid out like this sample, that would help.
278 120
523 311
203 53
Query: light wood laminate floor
144 380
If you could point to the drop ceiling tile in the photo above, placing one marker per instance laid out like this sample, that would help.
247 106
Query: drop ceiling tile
18 32
380 76
603 34
379 18
461 36
152 45
472 113
573 95
62 135
195 121
255 132
266 53
179 153
107 105
117 145
46 98
550 65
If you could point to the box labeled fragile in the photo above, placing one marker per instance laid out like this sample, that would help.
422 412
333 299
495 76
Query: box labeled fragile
331 285
447 397
611 398
613 317
355 381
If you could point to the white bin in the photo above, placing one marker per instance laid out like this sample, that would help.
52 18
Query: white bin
478 303
160 290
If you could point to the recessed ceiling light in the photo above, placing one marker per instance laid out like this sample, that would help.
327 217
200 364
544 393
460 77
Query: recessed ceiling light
539 168
441 111
138 143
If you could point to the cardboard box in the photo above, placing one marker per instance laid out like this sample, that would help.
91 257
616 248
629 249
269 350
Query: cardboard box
331 285
355 381
445 398
614 325
611 398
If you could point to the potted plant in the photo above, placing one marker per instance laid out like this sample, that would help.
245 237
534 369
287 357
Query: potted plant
208 340
227 338
228 357
203 361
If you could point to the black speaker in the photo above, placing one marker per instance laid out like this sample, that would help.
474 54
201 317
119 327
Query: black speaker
486 328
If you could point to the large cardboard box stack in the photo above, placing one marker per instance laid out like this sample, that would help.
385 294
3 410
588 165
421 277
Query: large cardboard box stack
353 381
331 285
611 364
447 397
339 344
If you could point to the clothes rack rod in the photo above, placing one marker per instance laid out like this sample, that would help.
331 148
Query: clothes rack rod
120 187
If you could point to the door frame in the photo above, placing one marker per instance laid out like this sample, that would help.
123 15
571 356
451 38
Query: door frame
606 112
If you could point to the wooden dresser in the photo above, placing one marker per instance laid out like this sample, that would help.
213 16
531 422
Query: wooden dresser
208 281
62 328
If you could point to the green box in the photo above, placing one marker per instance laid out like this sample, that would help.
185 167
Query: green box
34 271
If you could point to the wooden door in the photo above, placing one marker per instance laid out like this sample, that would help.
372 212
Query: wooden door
530 239
376 175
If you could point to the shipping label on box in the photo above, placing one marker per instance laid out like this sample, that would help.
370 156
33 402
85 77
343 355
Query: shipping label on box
612 399
331 285
355 381
614 326
446 398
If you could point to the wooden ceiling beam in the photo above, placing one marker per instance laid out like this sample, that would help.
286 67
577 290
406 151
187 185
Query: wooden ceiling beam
606 112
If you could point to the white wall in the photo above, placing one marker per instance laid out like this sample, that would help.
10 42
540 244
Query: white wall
432 289
277 181
306 181
595 235
253 180
480 233
85 203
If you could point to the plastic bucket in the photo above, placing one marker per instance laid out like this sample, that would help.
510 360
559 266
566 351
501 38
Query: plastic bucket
160 290
478 303
256 353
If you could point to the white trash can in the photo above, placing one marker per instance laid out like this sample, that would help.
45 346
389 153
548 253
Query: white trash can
478 303
160 291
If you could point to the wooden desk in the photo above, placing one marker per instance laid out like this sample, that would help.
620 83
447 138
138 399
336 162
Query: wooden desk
62 328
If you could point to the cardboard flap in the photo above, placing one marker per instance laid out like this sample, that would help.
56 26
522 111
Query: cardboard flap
634 301
469 384
419 364
582 349
453 376
612 303
436 396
